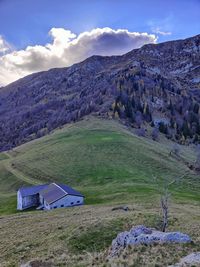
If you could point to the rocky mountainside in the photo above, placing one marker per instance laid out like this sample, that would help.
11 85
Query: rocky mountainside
158 84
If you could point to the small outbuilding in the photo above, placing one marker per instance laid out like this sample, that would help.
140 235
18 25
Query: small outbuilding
48 196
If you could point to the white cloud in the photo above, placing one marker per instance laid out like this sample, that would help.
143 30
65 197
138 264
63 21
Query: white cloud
67 48
4 46
157 30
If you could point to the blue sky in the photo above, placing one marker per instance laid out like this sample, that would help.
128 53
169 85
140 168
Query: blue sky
25 22
38 35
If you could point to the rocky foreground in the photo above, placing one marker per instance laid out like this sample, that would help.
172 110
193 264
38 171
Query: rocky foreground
145 236
192 259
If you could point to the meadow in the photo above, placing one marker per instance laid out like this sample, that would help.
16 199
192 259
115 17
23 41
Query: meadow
111 166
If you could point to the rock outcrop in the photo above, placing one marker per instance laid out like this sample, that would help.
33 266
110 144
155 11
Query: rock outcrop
143 235
192 259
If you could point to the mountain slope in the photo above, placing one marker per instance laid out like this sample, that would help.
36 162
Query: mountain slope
112 167
141 86
103 160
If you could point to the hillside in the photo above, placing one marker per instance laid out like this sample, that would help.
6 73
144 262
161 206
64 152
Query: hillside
156 84
110 165
103 159
108 127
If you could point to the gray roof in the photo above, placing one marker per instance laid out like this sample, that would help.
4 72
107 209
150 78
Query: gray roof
69 190
50 192
54 192
31 190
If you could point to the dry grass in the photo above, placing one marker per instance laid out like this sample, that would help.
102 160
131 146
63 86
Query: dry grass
81 236
110 166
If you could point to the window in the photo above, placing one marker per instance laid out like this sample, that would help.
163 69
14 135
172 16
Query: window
78 201
62 206
55 207
72 203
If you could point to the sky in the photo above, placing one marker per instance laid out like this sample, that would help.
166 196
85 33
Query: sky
37 35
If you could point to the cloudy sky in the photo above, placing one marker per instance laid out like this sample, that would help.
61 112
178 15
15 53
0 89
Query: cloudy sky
38 35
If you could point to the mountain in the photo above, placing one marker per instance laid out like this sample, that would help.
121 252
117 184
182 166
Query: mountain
158 84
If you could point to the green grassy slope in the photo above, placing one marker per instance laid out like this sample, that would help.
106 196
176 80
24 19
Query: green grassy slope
102 159
111 166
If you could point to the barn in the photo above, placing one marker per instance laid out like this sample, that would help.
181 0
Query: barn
48 196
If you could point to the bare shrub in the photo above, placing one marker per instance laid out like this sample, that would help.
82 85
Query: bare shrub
163 190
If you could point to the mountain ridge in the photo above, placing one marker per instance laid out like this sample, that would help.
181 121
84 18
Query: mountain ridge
99 56
115 86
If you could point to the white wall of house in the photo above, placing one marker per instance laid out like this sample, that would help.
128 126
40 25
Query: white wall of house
35 200
67 201
19 200
46 205
41 199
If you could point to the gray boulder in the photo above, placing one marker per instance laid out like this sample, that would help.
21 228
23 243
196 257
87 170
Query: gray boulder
192 259
146 236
